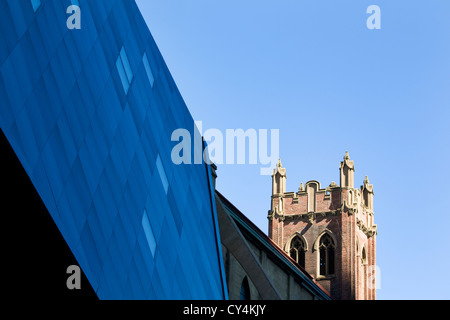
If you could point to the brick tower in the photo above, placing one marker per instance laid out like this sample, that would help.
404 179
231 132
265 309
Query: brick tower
329 231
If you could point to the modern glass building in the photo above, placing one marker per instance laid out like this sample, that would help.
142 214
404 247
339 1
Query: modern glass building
89 112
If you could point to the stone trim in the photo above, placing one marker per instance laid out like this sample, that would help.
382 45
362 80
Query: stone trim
287 245
369 232
311 216
329 277
302 191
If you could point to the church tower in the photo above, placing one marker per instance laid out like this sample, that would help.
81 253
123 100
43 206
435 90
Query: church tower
329 231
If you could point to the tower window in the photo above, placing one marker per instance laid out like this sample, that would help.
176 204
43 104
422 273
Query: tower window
297 250
364 256
326 252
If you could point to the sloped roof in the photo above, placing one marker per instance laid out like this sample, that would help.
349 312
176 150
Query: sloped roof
282 257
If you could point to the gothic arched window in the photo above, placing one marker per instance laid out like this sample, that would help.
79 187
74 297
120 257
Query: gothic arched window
364 256
245 290
297 250
326 251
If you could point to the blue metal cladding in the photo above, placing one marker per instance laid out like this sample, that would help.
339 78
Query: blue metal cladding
90 112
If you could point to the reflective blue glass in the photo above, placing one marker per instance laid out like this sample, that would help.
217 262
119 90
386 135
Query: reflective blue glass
126 64
89 113
148 69
122 75
36 4
149 232
162 174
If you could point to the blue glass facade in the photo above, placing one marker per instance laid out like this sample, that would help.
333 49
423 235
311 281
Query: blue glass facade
89 113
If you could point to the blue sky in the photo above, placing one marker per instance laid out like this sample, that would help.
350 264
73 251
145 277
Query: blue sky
313 70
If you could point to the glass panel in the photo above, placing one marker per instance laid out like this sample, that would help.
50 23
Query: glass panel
330 260
162 174
301 258
148 69
126 65
323 253
36 4
149 232
122 75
